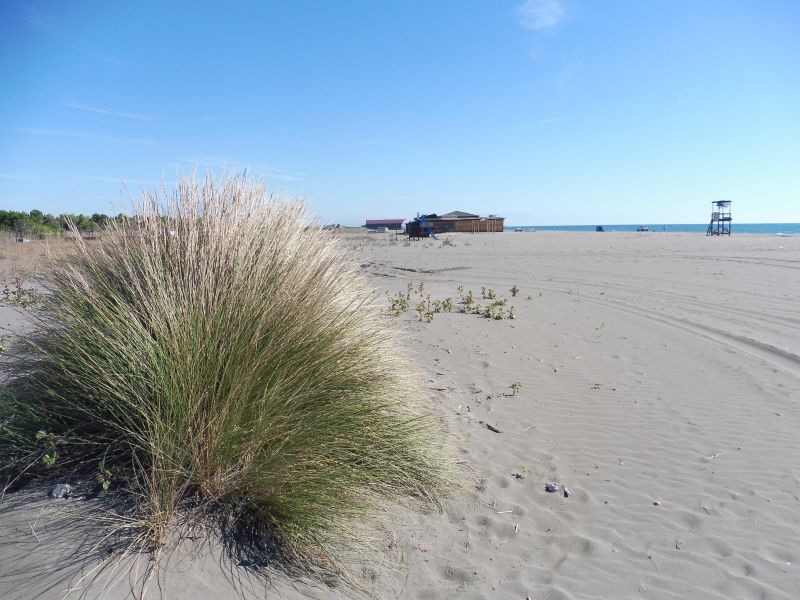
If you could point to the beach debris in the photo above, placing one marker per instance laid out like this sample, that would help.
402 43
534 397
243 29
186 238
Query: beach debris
518 475
33 531
708 510
567 492
62 490
656 502
551 487
493 428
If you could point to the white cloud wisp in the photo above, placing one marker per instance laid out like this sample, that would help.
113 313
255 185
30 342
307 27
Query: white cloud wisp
541 14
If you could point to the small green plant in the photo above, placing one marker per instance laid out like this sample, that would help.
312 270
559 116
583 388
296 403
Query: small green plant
514 291
488 294
105 475
49 441
515 387
438 306
466 301
398 304
495 309
19 295
448 242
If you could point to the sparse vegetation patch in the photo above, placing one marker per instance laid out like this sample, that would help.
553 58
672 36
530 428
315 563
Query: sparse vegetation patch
427 307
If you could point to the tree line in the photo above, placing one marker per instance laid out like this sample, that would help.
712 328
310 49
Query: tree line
37 224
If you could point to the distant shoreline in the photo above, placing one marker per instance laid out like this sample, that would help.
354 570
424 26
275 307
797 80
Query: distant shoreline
767 228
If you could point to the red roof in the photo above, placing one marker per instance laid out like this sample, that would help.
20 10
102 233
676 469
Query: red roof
385 221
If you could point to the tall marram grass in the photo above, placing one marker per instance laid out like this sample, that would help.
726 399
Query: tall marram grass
212 351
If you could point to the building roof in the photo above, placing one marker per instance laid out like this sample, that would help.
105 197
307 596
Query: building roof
385 221
455 216
458 214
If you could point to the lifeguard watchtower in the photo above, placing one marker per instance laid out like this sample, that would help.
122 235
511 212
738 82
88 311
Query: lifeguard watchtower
720 218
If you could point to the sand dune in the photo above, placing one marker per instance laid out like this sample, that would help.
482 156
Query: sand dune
660 380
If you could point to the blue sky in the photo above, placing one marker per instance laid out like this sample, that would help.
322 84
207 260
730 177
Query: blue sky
545 111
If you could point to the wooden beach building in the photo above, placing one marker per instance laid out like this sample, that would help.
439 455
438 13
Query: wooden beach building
455 222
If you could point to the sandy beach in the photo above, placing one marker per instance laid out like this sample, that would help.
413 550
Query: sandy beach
659 381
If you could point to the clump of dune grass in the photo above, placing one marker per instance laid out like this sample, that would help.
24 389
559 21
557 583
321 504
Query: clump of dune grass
214 357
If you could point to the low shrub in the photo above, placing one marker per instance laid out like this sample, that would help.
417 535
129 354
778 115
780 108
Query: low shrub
214 352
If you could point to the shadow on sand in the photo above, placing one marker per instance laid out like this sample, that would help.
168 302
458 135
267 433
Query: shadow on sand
90 546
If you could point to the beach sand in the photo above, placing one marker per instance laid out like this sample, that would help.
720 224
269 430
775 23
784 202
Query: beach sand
660 381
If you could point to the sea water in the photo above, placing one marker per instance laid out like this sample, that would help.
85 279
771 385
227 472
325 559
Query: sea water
768 228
